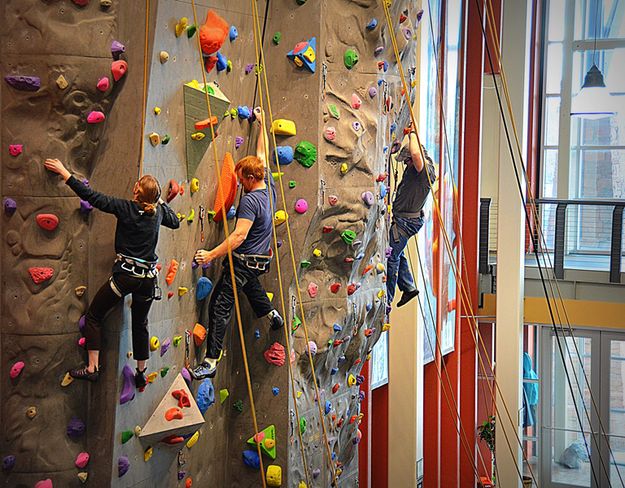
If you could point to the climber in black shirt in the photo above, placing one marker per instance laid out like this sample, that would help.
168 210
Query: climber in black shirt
134 271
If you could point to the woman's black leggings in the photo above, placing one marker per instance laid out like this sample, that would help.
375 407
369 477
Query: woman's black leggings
109 295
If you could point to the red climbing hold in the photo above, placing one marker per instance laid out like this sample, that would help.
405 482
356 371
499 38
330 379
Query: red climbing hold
47 221
209 63
188 483
335 287
170 294
182 397
81 3
275 354
352 287
47 483
335 388
40 274
172 190
368 268
16 369
172 439
327 229
206 123
118 69
213 33
173 413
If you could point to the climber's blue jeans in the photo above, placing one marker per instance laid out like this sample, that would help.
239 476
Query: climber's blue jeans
397 268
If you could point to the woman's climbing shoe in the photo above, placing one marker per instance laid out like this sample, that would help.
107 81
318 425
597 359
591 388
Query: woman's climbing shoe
84 374
140 379
275 320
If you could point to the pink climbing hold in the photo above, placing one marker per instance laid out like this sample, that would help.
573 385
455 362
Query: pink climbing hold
118 69
333 200
40 274
301 206
81 3
82 341
329 133
95 117
356 101
311 348
103 84
15 149
47 221
373 91
275 354
47 483
16 369
128 389
313 290
82 460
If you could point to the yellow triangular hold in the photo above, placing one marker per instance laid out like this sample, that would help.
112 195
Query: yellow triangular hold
268 442
270 296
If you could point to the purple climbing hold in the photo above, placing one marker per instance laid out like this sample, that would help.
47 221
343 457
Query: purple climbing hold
82 322
238 142
249 68
342 359
356 125
368 198
181 475
85 207
316 472
407 33
75 428
361 395
10 205
25 83
378 50
117 48
186 375
360 379
301 206
128 388
165 346
7 463
194 264
280 242
419 15
123 465
373 91
388 252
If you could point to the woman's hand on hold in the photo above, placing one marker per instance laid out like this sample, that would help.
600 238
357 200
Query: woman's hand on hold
203 257
56 166
259 113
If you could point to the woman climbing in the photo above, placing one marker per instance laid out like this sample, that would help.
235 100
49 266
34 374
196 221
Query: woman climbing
134 270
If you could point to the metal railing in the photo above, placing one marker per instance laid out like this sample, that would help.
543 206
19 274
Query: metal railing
578 234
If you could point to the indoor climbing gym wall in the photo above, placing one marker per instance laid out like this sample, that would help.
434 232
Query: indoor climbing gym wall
326 77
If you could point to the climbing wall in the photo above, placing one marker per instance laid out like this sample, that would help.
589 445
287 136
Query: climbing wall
65 49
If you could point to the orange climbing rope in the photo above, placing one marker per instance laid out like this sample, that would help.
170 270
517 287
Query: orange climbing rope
145 85
263 71
237 306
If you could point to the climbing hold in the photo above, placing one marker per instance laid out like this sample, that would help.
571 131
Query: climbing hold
336 387
327 229
82 459
232 212
386 327
199 334
203 288
196 136
123 465
238 406
95 117
128 388
356 101
118 69
368 268
304 264
313 290
248 68
334 111
117 48
304 54
244 112
163 57
173 439
352 287
67 380
165 346
302 425
350 58
306 153
15 149
356 126
16 369
233 33
348 236
173 413
368 198
222 62
182 290
351 380
373 23
61 82
281 217
155 139
317 252
154 343
238 142
188 483
105 4
8 462
193 439
383 65
177 340
181 25
301 206
328 407
213 33
10 206
103 84
206 123
47 221
329 133
344 168
275 354
47 483
333 371
295 323
403 16
82 476
75 428
383 190
205 395
171 272
283 127
172 190
157 110
223 394
40 274
311 348
274 475
127 435
164 371
407 32
335 287
31 412
285 155
277 37
24 83
292 184
251 459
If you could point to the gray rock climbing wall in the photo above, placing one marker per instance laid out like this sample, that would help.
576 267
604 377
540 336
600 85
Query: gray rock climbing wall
39 321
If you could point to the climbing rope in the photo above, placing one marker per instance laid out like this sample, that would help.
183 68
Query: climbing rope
460 284
263 72
270 183
237 306
144 102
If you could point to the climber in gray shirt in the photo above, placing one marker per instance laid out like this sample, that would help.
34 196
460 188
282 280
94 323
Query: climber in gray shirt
410 198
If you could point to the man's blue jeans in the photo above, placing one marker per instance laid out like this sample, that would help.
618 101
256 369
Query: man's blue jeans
397 268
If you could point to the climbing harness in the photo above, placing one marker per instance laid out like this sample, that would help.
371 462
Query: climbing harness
255 262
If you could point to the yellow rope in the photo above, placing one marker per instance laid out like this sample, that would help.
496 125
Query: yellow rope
230 260
263 71
270 183
145 85
464 296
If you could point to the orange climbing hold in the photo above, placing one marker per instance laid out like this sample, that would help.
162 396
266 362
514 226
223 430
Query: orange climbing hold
188 483
199 334
173 413
118 69
47 221
172 439
368 268
204 124
213 33
171 272
228 182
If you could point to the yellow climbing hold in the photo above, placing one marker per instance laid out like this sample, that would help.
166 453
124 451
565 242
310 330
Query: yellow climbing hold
299 394
151 377
154 343
302 484
317 253
344 168
191 215
157 110
61 82
381 294
181 26
270 296
351 380
281 217
82 476
233 112
276 176
274 475
380 267
148 454
137 430
283 127
386 327
194 185
67 380
193 439
182 290
198 136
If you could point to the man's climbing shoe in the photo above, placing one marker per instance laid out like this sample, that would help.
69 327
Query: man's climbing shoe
84 374
206 369
275 320
140 379
407 296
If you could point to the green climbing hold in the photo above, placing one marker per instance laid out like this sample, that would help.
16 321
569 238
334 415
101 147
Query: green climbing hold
177 340
302 425
277 37
127 435
292 184
296 323
305 264
348 236
334 111
350 58
238 406
223 394
165 139
164 371
306 154
191 30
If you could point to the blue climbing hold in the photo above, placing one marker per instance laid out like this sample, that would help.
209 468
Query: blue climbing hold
342 359
205 395
337 328
234 33
275 390
369 307
257 333
328 408
383 190
333 371
285 155
360 256
251 459
231 213
222 62
204 287
244 112
373 23
333 456
380 82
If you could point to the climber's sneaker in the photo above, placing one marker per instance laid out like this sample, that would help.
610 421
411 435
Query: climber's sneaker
406 297
140 379
206 369
84 374
275 320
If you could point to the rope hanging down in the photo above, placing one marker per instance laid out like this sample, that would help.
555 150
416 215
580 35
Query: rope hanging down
144 103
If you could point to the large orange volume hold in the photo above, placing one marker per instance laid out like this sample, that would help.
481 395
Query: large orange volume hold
228 182
213 33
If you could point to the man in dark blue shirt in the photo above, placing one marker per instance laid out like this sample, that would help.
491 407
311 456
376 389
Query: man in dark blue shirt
250 243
